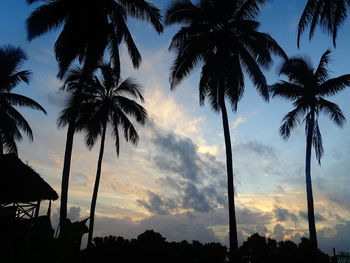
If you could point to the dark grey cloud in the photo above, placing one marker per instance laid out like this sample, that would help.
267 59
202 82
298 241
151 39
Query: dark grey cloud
178 155
180 227
198 180
283 215
279 232
255 218
256 148
159 205
318 217
186 226
170 182
195 199
189 196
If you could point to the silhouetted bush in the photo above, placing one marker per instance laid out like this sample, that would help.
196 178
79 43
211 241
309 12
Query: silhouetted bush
152 247
33 241
258 249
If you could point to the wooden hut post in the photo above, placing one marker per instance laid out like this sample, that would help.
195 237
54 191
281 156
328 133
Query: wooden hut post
37 208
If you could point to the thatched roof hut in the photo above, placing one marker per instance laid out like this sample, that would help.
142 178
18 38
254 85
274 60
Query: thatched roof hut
21 184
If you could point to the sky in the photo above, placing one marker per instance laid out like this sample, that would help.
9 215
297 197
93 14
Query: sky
174 181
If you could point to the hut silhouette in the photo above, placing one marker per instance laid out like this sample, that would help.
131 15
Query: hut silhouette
21 189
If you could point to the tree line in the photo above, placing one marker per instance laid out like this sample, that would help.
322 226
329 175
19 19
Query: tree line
221 37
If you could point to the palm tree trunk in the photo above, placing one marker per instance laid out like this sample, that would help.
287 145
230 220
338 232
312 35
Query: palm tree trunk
65 173
97 183
310 200
230 188
68 157
1 146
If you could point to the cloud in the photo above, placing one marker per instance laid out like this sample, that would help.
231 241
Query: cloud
195 181
180 227
174 227
211 226
49 86
279 233
179 155
196 199
237 122
318 217
74 213
159 205
80 179
340 238
335 187
283 215
256 148
248 217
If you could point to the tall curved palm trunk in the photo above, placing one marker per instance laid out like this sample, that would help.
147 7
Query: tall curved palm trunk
230 185
68 153
96 186
1 147
66 170
309 195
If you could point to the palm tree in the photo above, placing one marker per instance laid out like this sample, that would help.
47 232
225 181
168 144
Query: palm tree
307 88
328 14
12 122
89 28
224 37
106 102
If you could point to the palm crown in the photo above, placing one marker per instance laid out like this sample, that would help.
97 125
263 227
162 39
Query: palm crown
228 43
307 88
89 27
329 14
105 101
12 122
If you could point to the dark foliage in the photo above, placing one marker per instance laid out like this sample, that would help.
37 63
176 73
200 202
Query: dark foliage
258 249
327 14
33 240
89 28
12 123
152 247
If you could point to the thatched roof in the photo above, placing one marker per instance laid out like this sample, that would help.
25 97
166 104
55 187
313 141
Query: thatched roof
20 183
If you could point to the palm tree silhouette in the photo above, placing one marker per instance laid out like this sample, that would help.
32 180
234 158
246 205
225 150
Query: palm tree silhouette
224 37
307 88
105 101
328 14
89 28
12 122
